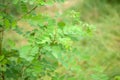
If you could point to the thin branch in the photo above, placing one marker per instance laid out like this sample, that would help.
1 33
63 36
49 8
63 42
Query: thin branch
27 13
1 39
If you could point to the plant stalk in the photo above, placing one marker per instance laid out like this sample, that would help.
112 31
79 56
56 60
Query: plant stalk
1 39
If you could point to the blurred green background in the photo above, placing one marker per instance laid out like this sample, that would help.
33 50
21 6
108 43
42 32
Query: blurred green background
104 47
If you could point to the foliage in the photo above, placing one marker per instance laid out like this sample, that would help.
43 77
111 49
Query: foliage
50 42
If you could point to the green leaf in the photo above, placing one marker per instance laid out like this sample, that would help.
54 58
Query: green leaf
24 7
18 30
1 16
2 57
14 24
56 52
41 2
4 61
7 23
28 52
61 24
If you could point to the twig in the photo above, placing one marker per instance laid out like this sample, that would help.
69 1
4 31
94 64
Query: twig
27 13
1 39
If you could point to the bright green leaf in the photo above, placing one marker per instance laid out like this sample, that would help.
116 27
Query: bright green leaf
1 57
